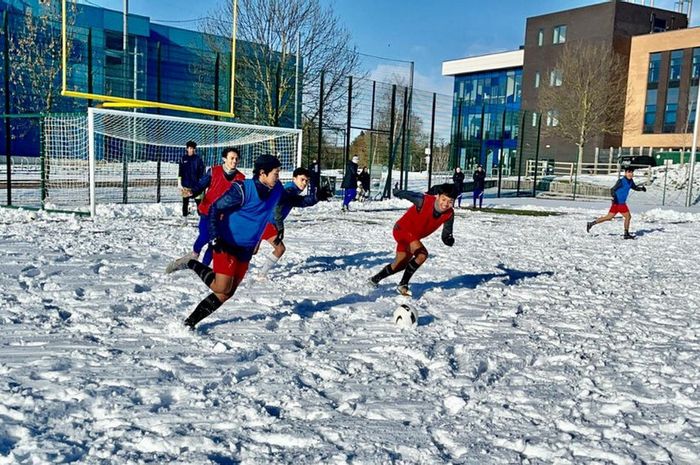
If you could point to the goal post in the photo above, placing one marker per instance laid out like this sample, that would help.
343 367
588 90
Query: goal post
111 156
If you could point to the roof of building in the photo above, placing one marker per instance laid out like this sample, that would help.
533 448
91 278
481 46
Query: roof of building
490 62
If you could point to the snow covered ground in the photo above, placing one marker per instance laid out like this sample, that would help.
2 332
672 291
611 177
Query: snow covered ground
537 343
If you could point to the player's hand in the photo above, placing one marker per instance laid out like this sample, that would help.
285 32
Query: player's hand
186 192
644 189
216 244
449 241
279 237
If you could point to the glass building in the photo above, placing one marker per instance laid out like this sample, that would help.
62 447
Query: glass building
486 114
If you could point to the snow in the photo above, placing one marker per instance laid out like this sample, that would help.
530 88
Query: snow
536 343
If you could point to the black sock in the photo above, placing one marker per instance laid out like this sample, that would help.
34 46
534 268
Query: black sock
205 308
386 271
408 273
203 271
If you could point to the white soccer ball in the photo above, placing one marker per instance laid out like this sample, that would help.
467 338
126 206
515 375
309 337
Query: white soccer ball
405 316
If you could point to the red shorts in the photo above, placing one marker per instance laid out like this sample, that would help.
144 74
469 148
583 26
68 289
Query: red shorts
403 240
619 208
229 265
270 232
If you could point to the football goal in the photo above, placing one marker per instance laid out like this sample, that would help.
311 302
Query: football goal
112 156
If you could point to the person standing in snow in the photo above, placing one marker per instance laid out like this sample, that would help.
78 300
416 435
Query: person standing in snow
350 182
216 181
619 193
479 178
364 181
427 214
458 179
291 197
190 170
236 224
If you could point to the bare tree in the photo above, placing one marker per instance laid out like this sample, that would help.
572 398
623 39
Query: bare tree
591 98
35 51
271 28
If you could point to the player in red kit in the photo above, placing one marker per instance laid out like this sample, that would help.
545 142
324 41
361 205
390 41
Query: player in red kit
427 214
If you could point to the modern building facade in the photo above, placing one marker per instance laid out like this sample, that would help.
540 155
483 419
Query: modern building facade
612 24
486 111
662 89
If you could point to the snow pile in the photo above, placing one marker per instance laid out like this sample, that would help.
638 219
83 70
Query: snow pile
536 343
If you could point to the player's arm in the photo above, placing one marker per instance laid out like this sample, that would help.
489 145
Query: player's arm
231 201
447 237
614 189
636 187
416 198
202 184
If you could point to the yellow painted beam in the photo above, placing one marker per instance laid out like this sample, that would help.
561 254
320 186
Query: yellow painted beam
145 103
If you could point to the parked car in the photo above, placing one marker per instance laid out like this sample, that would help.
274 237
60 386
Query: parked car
636 161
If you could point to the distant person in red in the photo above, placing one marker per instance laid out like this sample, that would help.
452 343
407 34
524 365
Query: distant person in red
619 193
427 214
216 182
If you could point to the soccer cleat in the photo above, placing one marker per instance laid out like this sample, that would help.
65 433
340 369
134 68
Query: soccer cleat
372 283
628 236
189 325
589 225
403 289
180 263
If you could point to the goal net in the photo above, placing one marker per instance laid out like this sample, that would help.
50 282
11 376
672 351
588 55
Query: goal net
112 156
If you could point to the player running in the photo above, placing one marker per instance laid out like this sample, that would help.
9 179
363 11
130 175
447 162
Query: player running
619 193
216 182
427 214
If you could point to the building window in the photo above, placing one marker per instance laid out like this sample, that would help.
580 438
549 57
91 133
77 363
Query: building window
654 68
555 78
671 109
674 69
534 119
657 24
692 105
695 71
540 37
559 36
650 112
552 118
537 79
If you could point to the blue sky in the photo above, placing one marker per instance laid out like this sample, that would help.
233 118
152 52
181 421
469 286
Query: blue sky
426 33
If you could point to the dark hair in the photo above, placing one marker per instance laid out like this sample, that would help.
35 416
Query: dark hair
191 143
447 189
266 163
226 151
629 168
301 172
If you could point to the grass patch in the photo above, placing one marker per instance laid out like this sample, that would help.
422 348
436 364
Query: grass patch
508 211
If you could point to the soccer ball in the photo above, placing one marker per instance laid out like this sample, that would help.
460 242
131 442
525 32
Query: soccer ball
405 316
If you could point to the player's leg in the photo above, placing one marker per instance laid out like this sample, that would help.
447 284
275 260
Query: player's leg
419 254
223 282
628 218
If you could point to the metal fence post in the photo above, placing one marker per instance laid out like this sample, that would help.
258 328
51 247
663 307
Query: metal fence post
392 120
8 128
432 142
521 135
537 155
42 161
404 124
